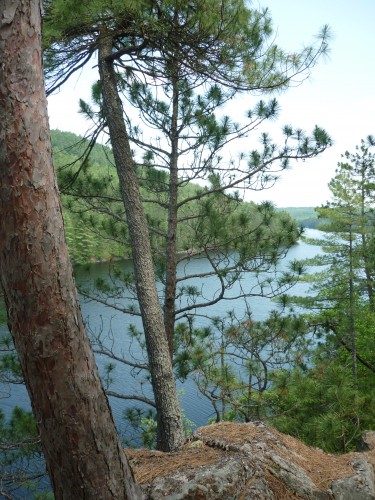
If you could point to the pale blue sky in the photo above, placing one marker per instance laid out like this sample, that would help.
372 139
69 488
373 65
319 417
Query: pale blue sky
339 95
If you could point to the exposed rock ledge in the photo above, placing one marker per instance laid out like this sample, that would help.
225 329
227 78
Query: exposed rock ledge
254 461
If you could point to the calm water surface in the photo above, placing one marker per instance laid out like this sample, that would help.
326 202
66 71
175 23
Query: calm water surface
114 326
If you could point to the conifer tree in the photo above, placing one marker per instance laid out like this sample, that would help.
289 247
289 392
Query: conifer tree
325 400
83 453
178 48
342 291
349 220
360 166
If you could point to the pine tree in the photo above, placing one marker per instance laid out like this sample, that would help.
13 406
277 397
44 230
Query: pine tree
82 450
326 399
349 219
177 48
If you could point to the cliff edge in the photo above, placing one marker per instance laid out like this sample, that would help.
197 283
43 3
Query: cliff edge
254 461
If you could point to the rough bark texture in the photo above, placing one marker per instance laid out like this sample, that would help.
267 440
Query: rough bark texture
81 447
170 436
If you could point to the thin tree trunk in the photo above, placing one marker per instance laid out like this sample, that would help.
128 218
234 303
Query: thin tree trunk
351 309
365 250
171 250
368 273
83 453
170 436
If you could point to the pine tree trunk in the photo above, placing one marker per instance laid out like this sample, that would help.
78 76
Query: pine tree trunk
365 247
83 453
170 436
352 331
171 250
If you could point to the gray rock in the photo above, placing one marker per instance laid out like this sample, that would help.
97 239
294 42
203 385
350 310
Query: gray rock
296 479
361 486
367 441
224 480
255 462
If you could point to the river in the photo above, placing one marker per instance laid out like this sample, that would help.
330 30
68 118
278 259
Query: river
114 326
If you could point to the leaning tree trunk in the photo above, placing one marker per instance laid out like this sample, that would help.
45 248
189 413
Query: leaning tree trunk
170 436
83 453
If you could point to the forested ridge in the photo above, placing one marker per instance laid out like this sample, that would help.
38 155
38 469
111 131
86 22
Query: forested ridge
94 236
305 216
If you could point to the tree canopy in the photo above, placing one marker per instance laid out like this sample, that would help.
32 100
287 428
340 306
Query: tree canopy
178 67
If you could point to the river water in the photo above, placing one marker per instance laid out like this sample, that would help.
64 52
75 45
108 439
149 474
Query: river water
114 325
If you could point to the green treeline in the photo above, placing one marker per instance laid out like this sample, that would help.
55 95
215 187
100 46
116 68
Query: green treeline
305 216
99 233
81 227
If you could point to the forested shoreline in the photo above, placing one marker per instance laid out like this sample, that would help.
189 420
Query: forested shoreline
84 229
169 193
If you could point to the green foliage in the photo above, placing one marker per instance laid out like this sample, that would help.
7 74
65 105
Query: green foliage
9 365
231 44
22 424
342 290
21 464
144 424
319 398
321 405
329 401
95 227
232 362
233 41
91 235
305 216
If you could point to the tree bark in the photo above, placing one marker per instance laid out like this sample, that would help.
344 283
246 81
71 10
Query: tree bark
83 453
352 331
171 247
170 436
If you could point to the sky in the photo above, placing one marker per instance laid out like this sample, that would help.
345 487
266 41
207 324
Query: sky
339 96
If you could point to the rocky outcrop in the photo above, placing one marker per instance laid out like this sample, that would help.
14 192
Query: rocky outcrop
367 441
253 461
357 487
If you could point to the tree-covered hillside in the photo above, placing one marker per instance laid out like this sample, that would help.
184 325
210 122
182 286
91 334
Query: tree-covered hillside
94 215
305 216
68 152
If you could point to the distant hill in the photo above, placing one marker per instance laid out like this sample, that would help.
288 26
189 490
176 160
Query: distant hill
305 216
67 144
94 235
